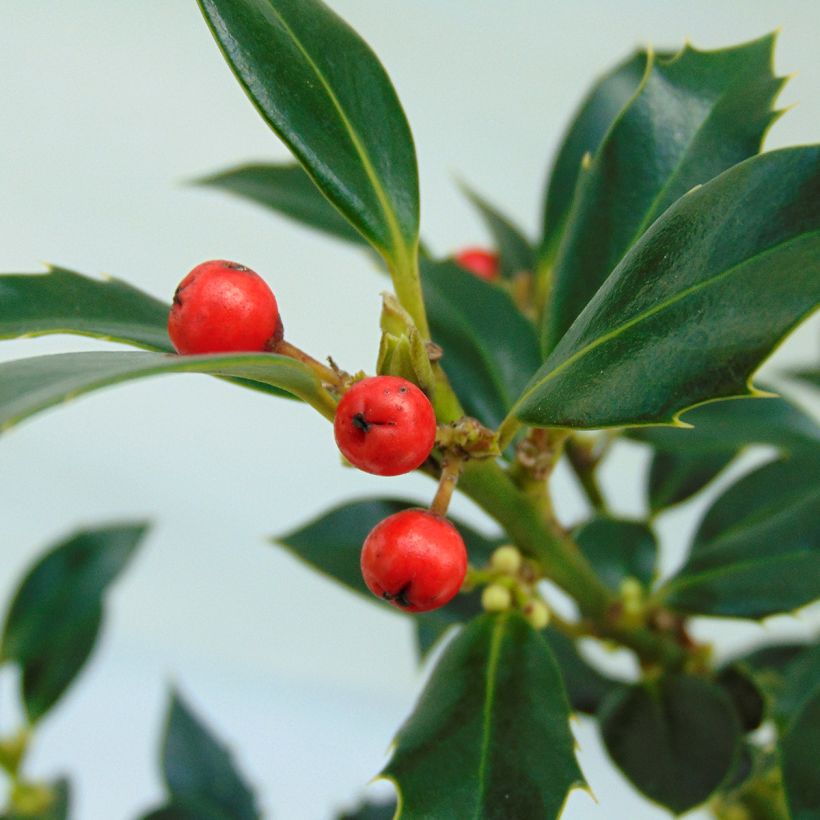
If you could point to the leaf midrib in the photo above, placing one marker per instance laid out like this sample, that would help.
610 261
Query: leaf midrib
370 171
487 709
615 332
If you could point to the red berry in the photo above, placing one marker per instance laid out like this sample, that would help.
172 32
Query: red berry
414 559
483 264
385 425
223 307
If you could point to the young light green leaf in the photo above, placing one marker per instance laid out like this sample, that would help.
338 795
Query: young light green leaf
675 739
619 549
324 92
58 798
798 758
56 614
693 117
757 551
489 736
28 386
695 306
199 769
490 348
514 249
288 190
591 122
62 301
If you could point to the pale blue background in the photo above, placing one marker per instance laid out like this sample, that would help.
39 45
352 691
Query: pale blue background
107 107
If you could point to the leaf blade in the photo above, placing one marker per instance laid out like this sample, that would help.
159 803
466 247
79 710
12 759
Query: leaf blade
306 72
665 332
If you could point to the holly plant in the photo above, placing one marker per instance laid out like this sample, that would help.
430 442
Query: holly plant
674 257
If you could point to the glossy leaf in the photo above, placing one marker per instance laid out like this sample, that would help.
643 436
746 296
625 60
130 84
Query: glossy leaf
757 551
694 116
62 301
798 758
591 122
618 549
514 249
28 386
199 769
324 92
586 687
288 190
489 736
675 739
490 349
695 306
56 614
332 545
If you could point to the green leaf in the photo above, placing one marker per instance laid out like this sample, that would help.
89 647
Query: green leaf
757 551
800 682
809 375
28 386
288 190
370 811
586 687
323 91
694 116
490 348
798 757
199 769
56 614
695 306
618 549
742 689
675 739
489 736
589 126
58 809
188 810
514 249
686 460
62 301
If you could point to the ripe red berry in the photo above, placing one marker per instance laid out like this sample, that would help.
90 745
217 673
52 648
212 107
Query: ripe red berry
414 559
385 425
483 264
223 307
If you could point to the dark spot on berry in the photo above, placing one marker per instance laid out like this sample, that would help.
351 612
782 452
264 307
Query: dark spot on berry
360 422
236 266
402 389
400 597
178 296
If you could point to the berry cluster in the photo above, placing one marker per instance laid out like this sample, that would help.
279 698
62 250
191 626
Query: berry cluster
385 425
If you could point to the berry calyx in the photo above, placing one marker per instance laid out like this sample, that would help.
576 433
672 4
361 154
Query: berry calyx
414 559
385 425
482 263
223 307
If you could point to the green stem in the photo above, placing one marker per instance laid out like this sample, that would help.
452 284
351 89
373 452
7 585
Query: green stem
404 271
586 473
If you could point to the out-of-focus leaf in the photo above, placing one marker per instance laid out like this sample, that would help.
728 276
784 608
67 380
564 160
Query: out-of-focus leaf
694 116
798 758
695 306
675 739
56 613
489 736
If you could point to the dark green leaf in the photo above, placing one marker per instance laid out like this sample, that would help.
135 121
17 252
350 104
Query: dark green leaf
800 681
288 190
591 122
332 545
490 349
675 739
809 375
757 551
798 758
514 249
62 301
674 478
693 117
56 613
619 549
748 700
586 686
695 306
371 811
199 769
28 386
489 736
324 92
189 810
